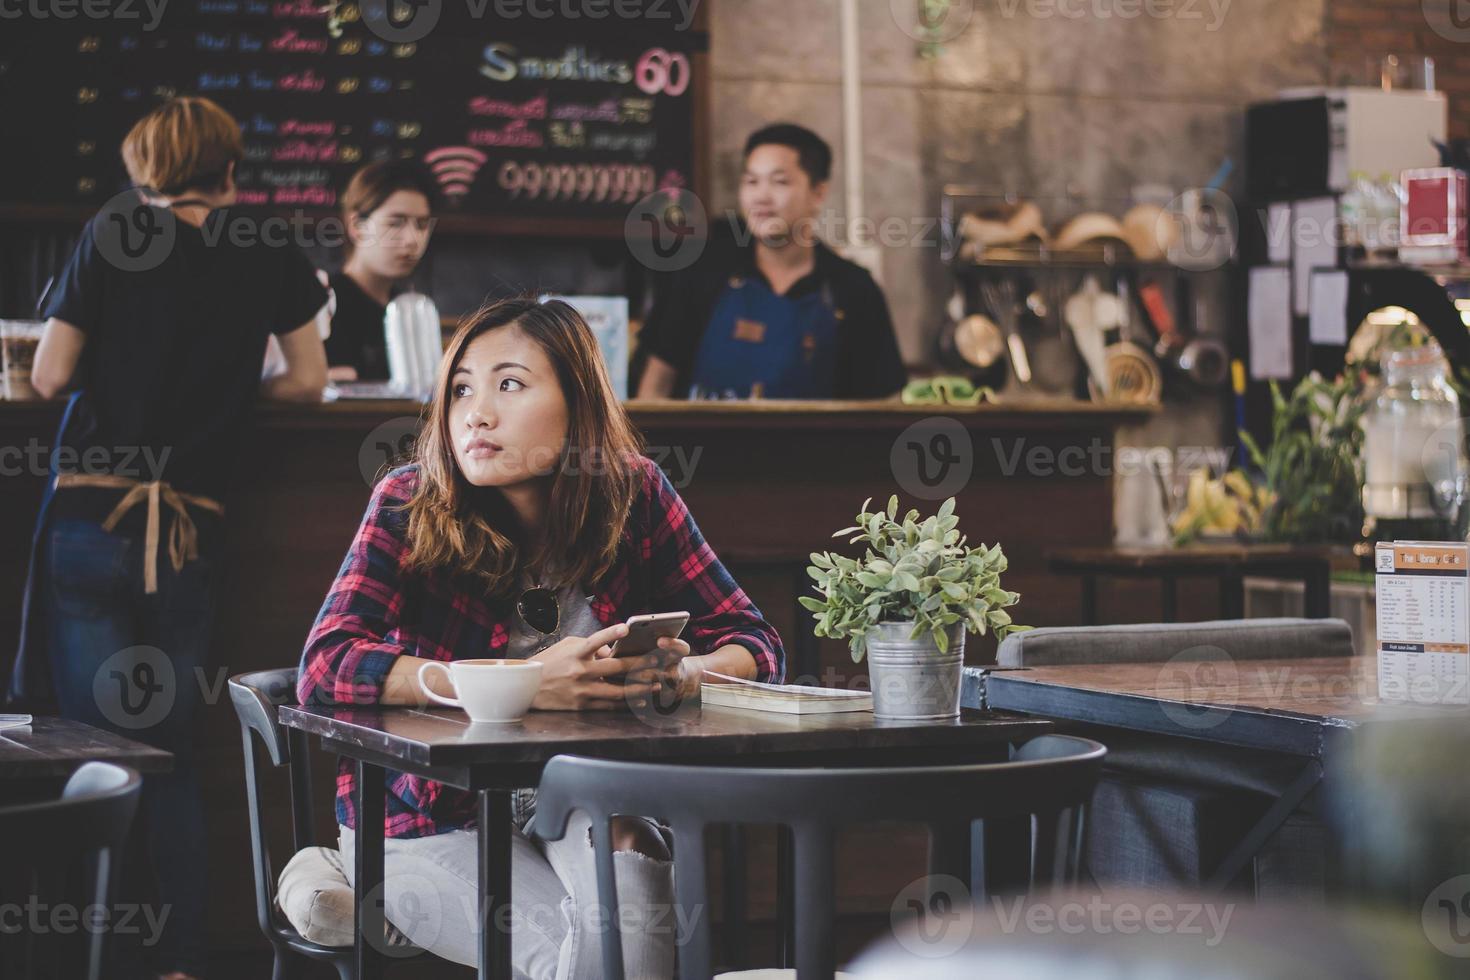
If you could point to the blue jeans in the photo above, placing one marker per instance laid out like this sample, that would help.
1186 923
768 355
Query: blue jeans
134 664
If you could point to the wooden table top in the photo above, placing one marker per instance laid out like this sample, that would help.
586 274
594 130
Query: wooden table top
445 736
50 747
1341 691
1189 556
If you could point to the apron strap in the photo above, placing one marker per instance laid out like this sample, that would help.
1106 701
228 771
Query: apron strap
183 536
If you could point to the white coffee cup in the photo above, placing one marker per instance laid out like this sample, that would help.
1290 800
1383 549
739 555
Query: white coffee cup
488 690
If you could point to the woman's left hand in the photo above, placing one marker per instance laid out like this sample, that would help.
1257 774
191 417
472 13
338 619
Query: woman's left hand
678 676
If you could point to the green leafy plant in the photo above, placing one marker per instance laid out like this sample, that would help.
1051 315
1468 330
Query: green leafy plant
1312 469
911 571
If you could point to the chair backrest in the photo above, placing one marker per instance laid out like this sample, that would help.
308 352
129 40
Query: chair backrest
256 697
1050 778
94 813
1143 643
91 819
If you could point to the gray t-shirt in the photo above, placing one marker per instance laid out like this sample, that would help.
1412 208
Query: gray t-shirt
576 619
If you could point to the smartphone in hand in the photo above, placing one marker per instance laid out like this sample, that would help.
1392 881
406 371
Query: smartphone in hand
644 632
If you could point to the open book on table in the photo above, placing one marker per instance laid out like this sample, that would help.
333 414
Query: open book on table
795 699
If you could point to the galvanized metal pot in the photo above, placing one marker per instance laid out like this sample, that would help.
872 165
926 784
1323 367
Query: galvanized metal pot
911 679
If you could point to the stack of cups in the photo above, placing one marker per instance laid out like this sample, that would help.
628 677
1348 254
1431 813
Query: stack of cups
414 343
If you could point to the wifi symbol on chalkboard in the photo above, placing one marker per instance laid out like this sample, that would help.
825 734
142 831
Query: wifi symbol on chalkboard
455 167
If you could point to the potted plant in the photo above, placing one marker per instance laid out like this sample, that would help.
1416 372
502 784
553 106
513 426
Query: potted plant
907 604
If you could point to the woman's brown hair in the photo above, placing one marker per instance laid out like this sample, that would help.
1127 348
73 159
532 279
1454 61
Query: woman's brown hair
375 183
185 144
471 532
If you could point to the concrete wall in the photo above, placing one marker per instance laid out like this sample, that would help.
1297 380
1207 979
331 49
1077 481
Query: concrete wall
1023 99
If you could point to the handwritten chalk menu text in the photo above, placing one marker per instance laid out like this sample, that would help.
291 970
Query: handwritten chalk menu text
516 117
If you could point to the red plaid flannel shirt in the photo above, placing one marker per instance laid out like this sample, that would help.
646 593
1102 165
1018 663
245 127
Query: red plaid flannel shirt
374 613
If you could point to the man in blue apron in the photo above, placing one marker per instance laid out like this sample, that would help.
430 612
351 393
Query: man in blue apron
769 311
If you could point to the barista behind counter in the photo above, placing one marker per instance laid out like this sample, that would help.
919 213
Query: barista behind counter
388 211
772 312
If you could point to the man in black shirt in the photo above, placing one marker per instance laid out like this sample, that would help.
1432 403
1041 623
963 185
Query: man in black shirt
769 311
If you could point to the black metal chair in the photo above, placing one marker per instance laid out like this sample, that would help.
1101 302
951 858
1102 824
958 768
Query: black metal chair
256 697
1049 779
44 841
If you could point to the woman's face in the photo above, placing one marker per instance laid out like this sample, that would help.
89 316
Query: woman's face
391 240
507 415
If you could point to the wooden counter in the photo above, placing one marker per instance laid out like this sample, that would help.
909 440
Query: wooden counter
768 483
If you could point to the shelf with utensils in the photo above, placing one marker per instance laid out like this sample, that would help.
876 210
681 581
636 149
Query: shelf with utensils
1106 256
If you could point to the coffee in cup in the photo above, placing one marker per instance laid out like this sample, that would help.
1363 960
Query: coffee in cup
488 690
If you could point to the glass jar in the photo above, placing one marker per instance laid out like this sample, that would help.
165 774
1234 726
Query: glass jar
1413 440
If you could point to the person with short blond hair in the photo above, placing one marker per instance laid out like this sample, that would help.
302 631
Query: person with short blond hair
156 330
186 144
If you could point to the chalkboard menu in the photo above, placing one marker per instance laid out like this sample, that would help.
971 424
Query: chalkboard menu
515 116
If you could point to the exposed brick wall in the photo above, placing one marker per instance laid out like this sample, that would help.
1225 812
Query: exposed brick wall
1359 29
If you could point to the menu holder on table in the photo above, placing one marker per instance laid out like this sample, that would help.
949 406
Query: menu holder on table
792 699
1423 598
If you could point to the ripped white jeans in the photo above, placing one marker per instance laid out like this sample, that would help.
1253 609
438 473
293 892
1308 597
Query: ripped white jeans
432 896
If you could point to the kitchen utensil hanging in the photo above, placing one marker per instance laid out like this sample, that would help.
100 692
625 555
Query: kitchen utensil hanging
1089 314
1200 360
1001 299
1133 374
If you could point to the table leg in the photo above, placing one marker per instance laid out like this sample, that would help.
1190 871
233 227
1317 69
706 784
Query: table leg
1169 594
1277 814
1232 594
367 876
1089 601
495 897
1000 857
737 937
785 897
1317 592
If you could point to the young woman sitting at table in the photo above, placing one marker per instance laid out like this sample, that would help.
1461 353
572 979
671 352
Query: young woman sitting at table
528 526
